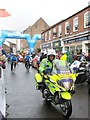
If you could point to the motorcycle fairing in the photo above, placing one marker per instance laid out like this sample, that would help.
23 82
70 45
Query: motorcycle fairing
54 78
38 78
71 75
52 87
52 82
65 95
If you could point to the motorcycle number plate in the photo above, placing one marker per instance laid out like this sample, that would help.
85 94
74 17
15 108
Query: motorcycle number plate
63 71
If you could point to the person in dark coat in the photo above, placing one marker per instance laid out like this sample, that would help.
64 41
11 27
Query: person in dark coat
69 57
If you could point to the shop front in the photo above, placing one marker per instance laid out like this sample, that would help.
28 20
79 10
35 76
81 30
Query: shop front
78 45
57 45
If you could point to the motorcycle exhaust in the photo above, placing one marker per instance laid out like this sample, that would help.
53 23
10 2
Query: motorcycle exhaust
46 93
58 100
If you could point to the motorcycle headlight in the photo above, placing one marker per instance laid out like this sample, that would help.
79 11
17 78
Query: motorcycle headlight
66 83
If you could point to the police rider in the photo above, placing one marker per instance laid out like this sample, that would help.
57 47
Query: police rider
47 62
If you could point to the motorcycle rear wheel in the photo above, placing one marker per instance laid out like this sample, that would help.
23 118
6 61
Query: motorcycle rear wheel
66 108
27 67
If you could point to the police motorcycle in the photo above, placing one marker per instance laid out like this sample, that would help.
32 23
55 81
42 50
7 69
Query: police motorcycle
83 70
57 87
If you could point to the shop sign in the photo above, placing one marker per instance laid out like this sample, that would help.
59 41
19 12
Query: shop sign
77 39
46 45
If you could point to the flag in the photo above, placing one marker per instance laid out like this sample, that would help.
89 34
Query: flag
4 13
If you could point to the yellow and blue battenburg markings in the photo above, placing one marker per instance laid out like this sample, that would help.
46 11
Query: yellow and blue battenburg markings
63 71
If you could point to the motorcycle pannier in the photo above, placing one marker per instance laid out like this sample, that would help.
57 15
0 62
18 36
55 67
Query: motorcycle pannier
38 79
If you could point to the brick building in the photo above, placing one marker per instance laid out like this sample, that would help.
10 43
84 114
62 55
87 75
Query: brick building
37 28
11 48
6 48
72 33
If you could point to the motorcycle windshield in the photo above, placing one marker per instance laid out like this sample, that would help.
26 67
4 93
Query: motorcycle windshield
60 67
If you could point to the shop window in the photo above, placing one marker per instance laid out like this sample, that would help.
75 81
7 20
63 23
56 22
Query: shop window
79 49
75 24
56 44
72 49
67 48
87 19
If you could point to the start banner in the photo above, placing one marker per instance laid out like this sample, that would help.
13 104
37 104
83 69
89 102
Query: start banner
2 93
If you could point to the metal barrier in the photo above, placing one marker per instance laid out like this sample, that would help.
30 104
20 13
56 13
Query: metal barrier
2 93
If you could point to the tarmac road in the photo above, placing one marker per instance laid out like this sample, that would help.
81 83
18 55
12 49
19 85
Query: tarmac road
26 102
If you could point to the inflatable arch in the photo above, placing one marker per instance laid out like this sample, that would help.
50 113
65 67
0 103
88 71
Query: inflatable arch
17 35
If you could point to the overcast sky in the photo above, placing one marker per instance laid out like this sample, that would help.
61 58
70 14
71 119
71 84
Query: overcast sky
25 13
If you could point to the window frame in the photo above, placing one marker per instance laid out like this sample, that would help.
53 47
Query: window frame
54 31
86 19
75 23
59 30
66 25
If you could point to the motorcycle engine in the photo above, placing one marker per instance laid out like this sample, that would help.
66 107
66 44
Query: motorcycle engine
46 93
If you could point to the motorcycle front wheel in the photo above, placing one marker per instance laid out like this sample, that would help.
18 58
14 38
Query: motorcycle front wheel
66 108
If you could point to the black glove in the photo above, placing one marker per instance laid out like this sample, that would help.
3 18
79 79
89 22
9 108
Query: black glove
45 72
48 70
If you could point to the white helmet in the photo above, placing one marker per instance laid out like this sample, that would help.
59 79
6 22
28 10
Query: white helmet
45 52
14 53
51 52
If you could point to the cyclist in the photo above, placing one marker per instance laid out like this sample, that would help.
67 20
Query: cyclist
27 59
13 60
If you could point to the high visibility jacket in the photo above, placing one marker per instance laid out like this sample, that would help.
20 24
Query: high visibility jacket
45 63
64 57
